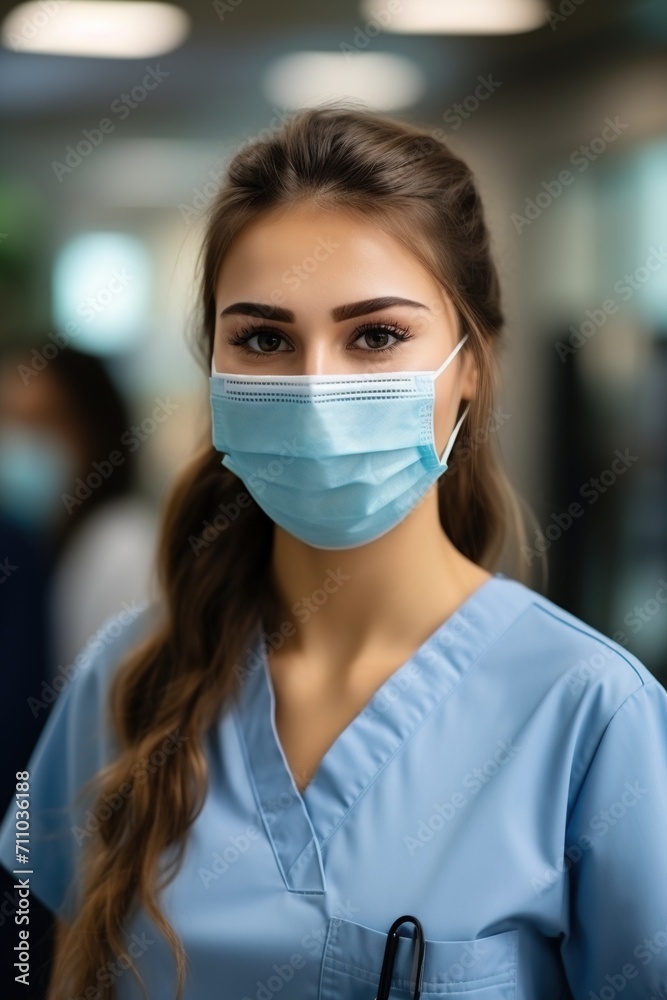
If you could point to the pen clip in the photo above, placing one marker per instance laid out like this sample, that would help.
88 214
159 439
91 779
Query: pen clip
390 954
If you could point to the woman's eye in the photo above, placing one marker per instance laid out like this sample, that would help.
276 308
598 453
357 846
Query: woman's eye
377 338
267 341
372 338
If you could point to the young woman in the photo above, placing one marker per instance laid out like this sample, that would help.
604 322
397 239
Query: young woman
341 719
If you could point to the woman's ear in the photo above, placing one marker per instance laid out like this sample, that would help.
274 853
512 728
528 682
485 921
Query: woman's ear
469 376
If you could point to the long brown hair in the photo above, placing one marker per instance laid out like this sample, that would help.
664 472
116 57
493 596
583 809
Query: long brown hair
215 582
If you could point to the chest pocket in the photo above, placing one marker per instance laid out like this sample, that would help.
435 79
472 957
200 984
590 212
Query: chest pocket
353 953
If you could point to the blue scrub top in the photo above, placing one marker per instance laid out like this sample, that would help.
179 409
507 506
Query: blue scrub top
507 786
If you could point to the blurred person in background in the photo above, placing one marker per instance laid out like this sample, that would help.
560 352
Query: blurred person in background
67 477
62 572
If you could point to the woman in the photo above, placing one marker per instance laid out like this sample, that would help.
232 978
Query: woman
69 477
342 714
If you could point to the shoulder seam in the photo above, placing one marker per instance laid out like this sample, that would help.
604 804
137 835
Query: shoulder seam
597 637
645 685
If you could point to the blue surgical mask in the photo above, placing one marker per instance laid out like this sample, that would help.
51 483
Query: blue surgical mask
36 468
335 460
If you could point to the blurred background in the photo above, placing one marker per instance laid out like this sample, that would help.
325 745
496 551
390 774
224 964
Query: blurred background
116 122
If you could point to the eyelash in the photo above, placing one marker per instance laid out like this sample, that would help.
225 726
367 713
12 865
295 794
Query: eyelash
402 333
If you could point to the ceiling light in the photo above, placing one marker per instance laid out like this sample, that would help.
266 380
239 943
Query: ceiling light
451 17
101 290
380 79
96 28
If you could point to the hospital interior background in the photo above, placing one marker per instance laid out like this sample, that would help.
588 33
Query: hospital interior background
109 162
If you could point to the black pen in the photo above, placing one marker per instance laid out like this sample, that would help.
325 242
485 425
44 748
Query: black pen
390 954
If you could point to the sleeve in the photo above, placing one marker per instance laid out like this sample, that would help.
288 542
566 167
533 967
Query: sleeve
73 745
616 854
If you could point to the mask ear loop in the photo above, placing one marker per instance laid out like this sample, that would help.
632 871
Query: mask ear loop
452 438
449 358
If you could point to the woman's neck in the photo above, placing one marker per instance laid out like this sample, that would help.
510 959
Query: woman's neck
342 607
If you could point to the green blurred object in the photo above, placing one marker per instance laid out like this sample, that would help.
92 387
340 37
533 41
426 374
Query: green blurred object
24 260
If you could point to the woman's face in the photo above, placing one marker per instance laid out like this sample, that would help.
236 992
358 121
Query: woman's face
304 265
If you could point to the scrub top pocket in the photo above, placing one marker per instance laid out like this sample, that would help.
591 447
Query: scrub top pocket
353 953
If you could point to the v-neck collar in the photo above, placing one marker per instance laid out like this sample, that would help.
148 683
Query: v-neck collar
299 824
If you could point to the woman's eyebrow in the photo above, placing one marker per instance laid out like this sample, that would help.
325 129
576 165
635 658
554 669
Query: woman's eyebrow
338 313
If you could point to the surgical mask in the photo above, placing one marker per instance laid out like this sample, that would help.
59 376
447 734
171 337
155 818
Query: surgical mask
335 460
36 468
